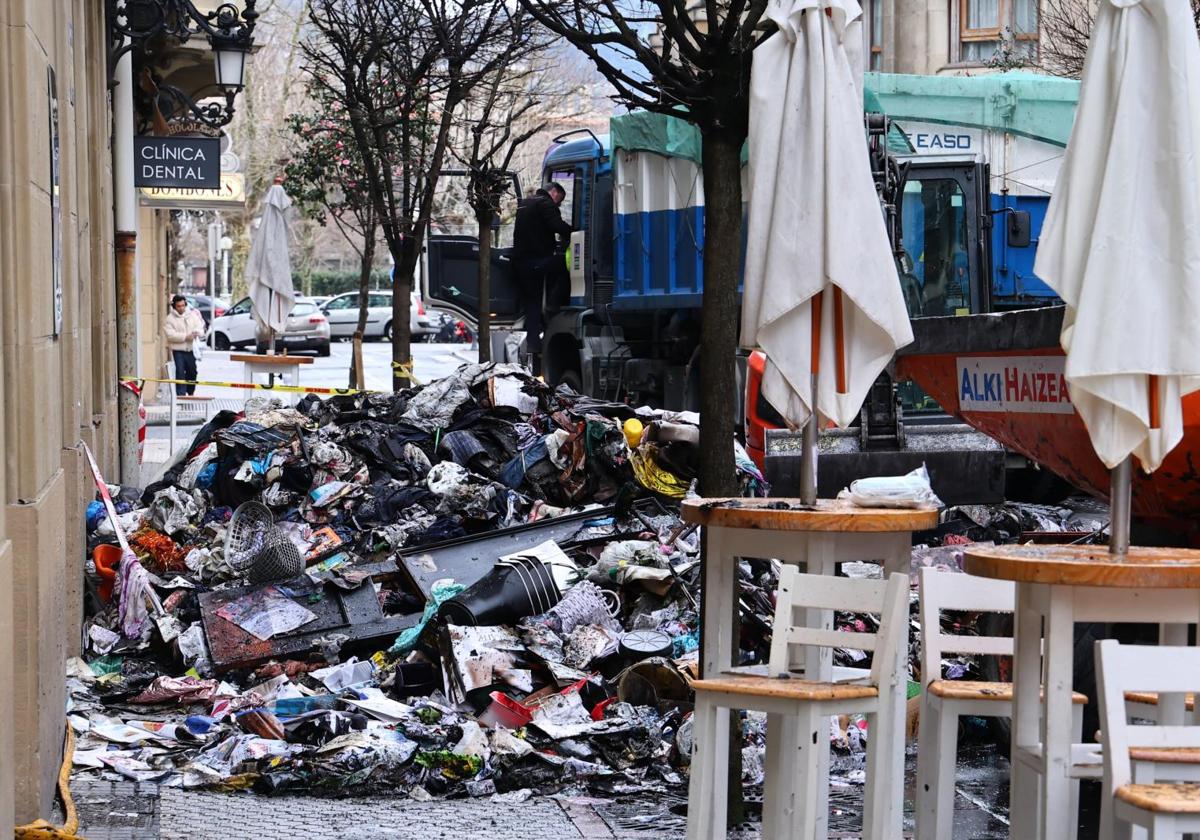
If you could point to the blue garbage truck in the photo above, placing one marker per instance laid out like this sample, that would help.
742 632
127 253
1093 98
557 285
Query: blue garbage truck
965 167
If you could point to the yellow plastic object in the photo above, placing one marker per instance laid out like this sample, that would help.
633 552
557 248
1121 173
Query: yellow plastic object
633 431
42 830
653 477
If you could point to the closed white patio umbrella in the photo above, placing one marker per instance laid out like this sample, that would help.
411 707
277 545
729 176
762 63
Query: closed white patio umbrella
268 266
821 291
1121 241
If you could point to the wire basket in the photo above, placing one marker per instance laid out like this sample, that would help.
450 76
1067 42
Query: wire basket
257 549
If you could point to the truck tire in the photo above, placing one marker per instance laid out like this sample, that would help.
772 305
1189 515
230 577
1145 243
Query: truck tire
572 379
1036 486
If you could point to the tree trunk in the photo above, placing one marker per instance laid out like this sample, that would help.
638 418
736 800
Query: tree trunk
721 155
485 285
402 284
357 375
364 279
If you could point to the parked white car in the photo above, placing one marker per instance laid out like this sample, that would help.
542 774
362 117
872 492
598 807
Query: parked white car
307 329
342 312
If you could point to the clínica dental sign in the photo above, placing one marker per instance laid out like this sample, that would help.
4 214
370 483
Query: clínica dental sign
177 162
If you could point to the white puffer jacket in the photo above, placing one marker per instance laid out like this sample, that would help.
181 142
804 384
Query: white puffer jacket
182 329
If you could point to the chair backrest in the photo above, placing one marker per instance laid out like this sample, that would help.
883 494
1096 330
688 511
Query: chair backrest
798 592
1122 668
941 591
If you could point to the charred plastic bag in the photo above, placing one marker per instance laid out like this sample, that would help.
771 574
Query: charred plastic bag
900 491
513 589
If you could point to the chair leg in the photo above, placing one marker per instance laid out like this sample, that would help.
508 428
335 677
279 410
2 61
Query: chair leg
703 790
1076 736
1163 827
784 745
810 777
882 817
937 738
947 760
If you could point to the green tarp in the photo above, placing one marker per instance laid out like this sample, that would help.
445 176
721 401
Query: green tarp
643 131
1029 104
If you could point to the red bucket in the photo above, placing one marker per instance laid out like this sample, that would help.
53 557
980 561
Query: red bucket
108 560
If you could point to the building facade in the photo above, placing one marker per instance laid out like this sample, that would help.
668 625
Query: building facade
951 36
58 382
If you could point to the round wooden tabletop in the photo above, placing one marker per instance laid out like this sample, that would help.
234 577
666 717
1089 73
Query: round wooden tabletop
1086 565
791 515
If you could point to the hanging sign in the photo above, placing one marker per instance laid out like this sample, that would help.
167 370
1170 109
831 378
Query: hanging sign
177 162
231 195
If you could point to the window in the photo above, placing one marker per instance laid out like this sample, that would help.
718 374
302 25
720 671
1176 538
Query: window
376 300
567 178
343 302
304 308
242 307
935 238
997 29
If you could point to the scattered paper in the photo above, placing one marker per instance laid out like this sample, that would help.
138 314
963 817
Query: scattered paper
266 612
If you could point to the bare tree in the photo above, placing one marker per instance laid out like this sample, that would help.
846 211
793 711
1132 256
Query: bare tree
503 112
401 69
1066 31
259 131
325 178
689 59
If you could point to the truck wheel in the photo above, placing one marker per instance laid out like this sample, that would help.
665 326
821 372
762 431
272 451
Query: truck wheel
572 379
1037 486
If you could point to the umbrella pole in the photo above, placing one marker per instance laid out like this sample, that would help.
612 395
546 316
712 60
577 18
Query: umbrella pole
808 450
1121 482
1120 505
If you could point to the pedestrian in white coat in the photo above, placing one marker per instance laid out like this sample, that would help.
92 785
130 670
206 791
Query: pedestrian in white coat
184 325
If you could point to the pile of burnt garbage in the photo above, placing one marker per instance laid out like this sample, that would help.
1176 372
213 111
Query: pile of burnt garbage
477 587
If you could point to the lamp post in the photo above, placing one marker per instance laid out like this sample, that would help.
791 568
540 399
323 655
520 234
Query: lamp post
226 281
139 31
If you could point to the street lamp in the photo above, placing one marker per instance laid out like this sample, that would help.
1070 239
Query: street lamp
146 27
229 59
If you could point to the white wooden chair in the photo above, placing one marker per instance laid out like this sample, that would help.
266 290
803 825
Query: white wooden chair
798 711
1166 810
944 701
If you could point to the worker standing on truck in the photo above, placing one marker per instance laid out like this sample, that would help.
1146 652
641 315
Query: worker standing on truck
541 269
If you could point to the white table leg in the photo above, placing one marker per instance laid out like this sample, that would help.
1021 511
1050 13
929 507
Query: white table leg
719 584
1057 820
717 655
1171 705
821 559
1027 671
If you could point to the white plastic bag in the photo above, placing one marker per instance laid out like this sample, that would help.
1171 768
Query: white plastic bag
898 491
198 348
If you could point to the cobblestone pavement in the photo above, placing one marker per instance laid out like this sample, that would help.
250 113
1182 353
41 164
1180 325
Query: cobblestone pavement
129 811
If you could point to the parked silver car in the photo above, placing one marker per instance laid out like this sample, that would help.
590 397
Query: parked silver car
342 312
307 329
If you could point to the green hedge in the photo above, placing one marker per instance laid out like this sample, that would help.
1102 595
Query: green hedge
337 282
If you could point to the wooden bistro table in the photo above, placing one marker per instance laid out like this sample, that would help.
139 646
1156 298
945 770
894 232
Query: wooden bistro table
254 364
1058 586
817 537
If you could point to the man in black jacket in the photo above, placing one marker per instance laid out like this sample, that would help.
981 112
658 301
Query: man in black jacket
540 271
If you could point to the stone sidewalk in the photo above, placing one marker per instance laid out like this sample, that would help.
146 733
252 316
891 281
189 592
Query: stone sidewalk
141 811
